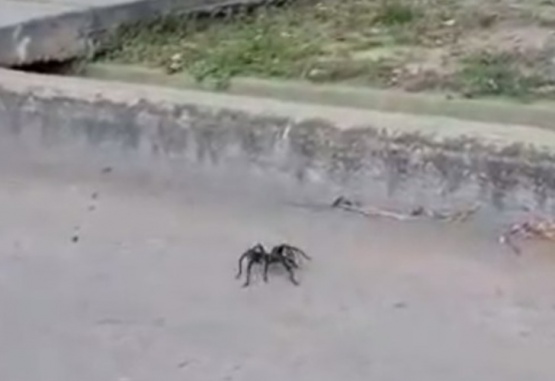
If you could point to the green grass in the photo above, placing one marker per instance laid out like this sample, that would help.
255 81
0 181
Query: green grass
396 12
490 74
261 44
326 41
290 42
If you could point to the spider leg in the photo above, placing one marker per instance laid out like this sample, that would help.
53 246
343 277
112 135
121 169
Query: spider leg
266 267
258 248
291 262
247 254
514 247
302 253
507 239
295 250
249 268
289 269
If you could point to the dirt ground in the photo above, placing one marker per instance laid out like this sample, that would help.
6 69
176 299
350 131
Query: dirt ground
468 48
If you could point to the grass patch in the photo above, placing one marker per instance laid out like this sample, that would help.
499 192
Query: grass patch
259 44
335 41
294 41
497 74
395 12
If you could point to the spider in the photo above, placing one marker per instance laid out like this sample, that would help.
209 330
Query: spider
288 256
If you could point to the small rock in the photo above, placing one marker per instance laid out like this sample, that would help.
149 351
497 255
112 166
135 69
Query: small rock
316 73
418 211
177 57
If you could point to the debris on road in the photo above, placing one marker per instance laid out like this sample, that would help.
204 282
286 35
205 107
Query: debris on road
94 198
540 229
400 305
356 207
456 216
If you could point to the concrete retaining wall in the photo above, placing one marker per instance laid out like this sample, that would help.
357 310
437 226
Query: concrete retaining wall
404 159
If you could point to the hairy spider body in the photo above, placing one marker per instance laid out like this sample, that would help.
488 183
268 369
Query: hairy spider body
290 253
286 255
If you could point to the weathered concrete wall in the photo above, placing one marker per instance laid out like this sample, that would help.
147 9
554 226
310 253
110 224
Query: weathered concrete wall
75 32
372 154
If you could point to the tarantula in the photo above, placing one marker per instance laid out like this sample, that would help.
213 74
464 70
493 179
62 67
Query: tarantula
286 255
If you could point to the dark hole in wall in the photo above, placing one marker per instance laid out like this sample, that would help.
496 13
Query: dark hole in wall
65 67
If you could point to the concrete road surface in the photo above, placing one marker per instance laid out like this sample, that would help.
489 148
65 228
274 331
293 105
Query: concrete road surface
147 290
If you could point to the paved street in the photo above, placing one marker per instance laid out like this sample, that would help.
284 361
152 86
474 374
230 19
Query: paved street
147 290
